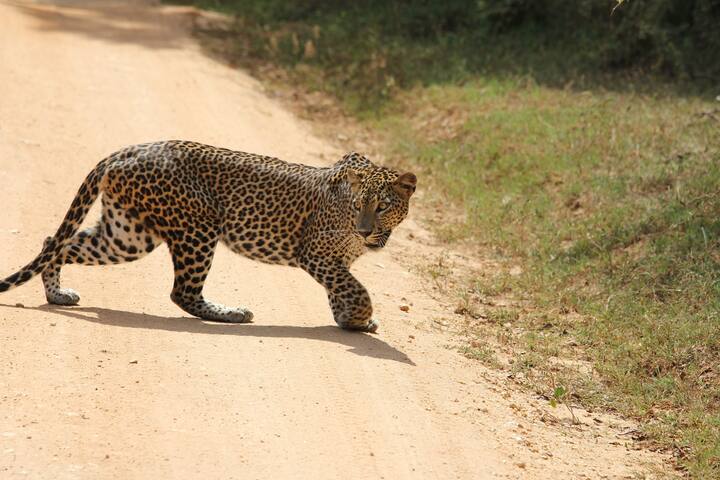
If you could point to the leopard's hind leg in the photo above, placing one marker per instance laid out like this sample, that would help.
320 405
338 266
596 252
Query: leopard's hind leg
192 257
118 237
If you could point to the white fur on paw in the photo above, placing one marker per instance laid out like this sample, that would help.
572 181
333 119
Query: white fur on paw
371 327
239 315
63 296
229 315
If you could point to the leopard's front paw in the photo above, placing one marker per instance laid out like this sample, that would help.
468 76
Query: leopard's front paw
370 327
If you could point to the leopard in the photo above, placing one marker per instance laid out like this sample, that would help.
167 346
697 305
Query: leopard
193 197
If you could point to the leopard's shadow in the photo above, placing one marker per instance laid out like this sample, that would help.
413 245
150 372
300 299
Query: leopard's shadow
359 343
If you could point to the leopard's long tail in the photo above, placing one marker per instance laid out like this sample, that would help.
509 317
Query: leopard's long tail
86 196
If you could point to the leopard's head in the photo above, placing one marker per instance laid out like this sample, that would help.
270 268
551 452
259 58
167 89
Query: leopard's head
380 201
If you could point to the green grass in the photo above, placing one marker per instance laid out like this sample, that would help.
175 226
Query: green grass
603 187
366 52
610 202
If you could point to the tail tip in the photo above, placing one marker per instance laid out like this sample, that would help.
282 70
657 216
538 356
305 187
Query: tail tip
4 286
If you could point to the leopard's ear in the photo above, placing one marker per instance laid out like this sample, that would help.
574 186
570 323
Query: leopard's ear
350 156
354 179
405 184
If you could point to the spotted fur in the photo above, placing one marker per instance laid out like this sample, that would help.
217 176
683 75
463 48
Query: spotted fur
192 196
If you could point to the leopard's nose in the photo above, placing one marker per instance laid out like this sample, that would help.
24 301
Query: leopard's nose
364 232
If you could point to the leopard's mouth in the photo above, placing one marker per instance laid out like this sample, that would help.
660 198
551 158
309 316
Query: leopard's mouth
377 241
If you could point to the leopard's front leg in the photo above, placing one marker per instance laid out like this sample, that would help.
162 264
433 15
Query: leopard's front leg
349 300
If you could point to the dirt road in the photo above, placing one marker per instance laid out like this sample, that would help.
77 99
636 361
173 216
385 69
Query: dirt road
126 386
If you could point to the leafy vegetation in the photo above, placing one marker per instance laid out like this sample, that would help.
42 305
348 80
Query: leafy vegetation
581 146
367 50
610 203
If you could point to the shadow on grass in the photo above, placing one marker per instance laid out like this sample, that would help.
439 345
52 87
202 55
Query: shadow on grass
363 344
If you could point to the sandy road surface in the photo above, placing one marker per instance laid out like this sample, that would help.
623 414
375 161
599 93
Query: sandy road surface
127 386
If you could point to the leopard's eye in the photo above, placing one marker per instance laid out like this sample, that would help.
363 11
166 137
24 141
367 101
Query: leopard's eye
382 206
357 204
